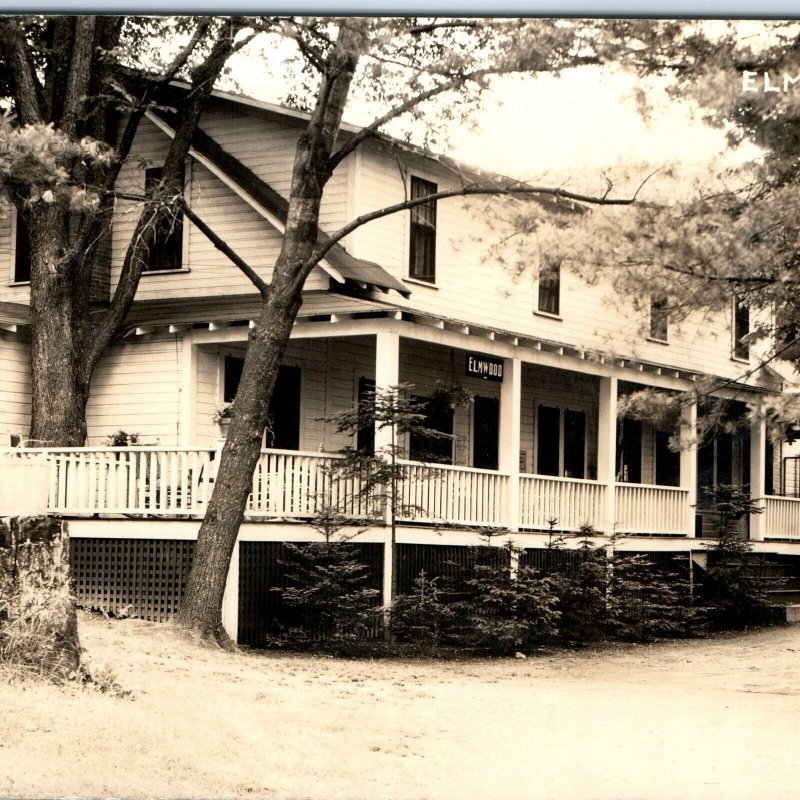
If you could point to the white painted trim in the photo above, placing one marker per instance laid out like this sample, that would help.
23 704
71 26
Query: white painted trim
188 389
238 190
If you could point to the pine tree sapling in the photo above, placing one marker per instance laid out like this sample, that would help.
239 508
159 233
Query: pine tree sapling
422 617
733 594
327 587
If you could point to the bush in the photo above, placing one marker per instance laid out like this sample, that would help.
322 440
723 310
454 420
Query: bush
500 612
645 603
733 595
422 618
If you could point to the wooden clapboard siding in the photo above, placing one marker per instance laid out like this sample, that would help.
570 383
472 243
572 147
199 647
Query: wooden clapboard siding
349 358
136 388
210 272
267 147
475 288
15 388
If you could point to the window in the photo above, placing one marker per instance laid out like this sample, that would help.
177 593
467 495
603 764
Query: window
422 249
22 253
166 252
434 449
668 462
659 318
629 450
550 287
365 436
741 328
560 442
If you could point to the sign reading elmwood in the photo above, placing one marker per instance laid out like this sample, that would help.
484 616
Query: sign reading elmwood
484 367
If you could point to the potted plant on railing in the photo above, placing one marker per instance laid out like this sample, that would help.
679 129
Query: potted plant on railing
121 438
222 417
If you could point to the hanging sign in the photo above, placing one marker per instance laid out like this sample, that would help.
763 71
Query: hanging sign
484 367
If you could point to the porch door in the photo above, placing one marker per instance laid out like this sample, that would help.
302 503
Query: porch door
486 432
283 428
422 447
548 441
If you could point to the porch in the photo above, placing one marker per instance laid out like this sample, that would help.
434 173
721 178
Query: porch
176 483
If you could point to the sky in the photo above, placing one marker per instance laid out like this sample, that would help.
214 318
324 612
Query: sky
570 129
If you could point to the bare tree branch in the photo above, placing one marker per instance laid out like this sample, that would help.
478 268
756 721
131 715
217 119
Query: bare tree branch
226 250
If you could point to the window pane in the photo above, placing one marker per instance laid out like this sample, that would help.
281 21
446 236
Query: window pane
365 436
548 437
550 288
166 251
422 248
574 444
741 327
22 257
630 451
659 318
668 462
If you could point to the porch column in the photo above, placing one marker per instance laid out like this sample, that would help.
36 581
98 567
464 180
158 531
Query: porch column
387 373
509 444
230 600
758 458
688 461
187 425
607 449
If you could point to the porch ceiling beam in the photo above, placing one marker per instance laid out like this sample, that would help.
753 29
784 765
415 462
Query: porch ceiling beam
143 331
216 326
8 326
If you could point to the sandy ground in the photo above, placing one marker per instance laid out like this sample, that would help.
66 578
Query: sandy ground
697 719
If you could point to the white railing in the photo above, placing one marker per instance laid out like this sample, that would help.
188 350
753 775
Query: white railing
571 502
642 508
163 481
457 495
290 484
782 517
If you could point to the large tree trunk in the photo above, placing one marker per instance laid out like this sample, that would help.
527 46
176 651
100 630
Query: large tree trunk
201 606
59 391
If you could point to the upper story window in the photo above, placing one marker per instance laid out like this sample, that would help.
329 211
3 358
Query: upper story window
422 249
741 328
22 252
659 318
166 251
550 287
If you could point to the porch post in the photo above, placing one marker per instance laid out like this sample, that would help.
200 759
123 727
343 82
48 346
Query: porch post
688 461
758 456
509 444
607 449
230 600
187 425
387 373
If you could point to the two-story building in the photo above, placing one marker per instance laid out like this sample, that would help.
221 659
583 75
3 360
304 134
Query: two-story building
410 298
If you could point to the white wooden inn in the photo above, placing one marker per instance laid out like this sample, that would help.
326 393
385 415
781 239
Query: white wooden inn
411 298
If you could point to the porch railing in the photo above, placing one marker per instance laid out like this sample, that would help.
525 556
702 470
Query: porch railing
458 495
568 501
782 517
642 508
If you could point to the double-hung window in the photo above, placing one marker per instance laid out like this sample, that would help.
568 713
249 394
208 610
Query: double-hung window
741 328
22 252
659 318
422 247
166 251
550 287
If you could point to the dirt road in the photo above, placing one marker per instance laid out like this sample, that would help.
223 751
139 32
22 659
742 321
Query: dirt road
697 719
